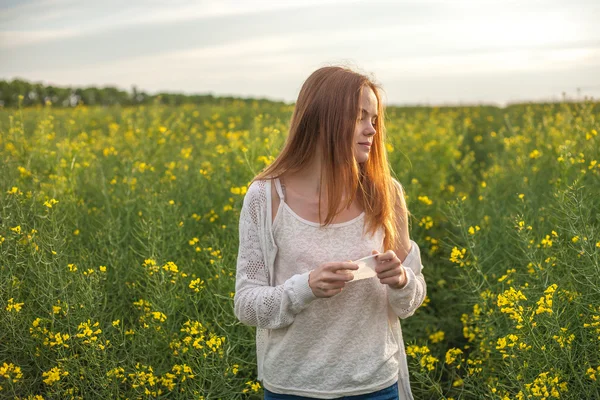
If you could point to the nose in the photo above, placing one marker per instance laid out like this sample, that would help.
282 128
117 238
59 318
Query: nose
370 130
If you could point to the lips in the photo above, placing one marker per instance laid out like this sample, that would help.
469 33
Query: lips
366 143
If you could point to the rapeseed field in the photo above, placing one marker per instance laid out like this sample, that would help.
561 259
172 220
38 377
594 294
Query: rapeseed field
119 234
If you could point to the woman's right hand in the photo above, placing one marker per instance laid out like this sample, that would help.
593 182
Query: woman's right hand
329 279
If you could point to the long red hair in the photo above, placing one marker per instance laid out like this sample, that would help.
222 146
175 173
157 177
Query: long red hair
325 115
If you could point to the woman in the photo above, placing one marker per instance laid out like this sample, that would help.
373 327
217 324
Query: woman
319 334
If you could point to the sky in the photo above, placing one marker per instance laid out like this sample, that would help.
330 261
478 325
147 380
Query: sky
428 52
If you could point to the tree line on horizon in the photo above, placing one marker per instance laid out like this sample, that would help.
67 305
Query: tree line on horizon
27 94
20 92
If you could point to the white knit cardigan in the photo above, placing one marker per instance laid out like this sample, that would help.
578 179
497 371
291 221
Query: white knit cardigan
257 302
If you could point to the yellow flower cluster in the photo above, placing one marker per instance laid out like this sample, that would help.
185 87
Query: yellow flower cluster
474 366
172 270
470 328
196 285
591 372
436 337
543 387
12 306
144 379
563 340
510 341
10 372
242 190
118 373
472 230
547 241
148 315
50 339
458 256
267 160
426 222
53 375
508 303
427 361
595 324
452 354
194 338
545 302
505 276
251 386
86 331
434 243
425 200
14 190
50 203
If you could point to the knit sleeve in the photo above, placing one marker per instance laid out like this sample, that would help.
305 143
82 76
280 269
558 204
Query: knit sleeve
406 300
256 303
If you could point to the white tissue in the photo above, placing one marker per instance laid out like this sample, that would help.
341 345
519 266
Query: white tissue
366 268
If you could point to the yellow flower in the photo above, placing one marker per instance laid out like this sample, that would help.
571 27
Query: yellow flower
545 302
157 315
10 372
13 306
53 375
452 354
50 203
535 154
425 200
252 386
239 190
426 222
473 230
436 337
457 256
196 285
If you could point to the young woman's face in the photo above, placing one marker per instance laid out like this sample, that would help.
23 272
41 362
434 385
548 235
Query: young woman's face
365 124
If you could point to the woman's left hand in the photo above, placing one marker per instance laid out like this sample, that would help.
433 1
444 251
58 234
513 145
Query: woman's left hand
389 269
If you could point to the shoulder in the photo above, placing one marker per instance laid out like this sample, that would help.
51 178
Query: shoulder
398 186
256 193
399 193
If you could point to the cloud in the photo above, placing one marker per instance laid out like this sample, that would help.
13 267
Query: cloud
16 39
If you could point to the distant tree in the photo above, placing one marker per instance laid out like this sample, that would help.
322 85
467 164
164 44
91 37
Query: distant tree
39 94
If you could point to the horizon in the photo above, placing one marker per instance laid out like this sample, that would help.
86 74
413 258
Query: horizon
564 99
421 52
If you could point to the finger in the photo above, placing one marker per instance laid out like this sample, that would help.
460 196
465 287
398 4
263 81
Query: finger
342 265
338 276
389 273
387 256
390 281
386 266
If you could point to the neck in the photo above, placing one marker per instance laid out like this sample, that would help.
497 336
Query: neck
307 180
